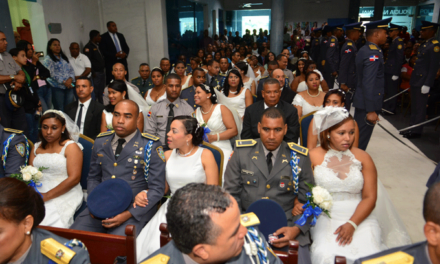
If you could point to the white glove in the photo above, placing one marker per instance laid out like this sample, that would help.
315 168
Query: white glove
395 77
425 89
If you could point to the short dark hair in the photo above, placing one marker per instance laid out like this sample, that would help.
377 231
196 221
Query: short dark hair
199 69
144 64
236 51
192 128
280 56
273 63
261 49
273 113
179 62
431 208
84 78
271 80
64 136
191 206
209 63
172 76
19 200
159 70
108 23
73 43
14 51
93 33
136 111
164 59
370 32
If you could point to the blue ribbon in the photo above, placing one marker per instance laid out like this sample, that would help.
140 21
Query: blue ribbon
309 211
34 185
147 159
206 131
294 166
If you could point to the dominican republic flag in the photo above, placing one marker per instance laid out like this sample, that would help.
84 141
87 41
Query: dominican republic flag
347 51
374 57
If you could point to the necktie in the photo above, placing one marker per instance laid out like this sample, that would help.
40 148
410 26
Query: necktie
170 119
121 141
118 49
269 161
143 82
78 120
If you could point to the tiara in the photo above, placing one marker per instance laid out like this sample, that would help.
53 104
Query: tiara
55 112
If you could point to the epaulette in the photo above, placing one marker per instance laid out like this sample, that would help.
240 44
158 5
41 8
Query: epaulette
400 39
396 257
158 259
105 133
149 136
173 65
333 40
249 219
134 79
434 41
372 47
56 251
349 44
298 148
10 130
245 143
264 77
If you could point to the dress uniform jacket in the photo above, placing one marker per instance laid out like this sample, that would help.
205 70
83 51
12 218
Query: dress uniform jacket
332 55
130 167
395 57
35 254
216 81
315 50
247 179
143 88
427 64
360 42
419 251
188 95
370 78
323 52
17 151
347 67
95 56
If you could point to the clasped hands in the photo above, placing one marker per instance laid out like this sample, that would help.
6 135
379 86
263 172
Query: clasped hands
116 220
121 55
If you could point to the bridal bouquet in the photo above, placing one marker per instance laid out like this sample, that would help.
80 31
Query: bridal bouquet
206 131
319 201
30 175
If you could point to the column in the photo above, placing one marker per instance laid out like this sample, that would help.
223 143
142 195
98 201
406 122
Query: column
6 24
277 26
157 31
378 9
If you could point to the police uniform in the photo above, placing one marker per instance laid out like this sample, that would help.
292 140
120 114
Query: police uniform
393 65
15 152
369 91
187 94
323 50
158 116
331 58
215 81
347 66
247 179
170 254
49 248
361 42
425 70
315 49
141 164
143 85
410 254
91 50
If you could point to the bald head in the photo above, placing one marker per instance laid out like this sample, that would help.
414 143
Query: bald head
279 75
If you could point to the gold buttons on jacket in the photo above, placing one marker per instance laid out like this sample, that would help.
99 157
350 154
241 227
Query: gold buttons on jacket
113 176
115 164
268 186
248 182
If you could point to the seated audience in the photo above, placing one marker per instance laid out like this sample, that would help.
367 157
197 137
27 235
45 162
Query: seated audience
282 64
119 72
224 67
185 163
272 177
269 57
165 66
272 66
86 112
248 82
212 77
21 211
118 155
220 234
311 99
195 63
298 85
62 194
258 69
335 98
158 92
198 76
117 91
218 118
144 81
161 114
311 66
180 70
406 72
271 95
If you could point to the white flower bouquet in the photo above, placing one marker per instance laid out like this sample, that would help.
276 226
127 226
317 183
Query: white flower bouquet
319 201
30 175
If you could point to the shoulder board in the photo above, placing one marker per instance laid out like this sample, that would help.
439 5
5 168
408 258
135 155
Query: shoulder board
373 47
264 77
134 79
245 143
396 257
249 219
349 44
56 251
10 130
298 148
105 133
149 136
434 41
158 259
333 40
400 39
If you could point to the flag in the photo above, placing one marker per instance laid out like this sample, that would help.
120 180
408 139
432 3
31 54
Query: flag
374 57
347 51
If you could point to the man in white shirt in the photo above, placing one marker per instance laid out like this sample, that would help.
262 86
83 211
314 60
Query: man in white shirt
119 73
80 62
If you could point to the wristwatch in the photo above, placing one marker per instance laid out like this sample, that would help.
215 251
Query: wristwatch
12 77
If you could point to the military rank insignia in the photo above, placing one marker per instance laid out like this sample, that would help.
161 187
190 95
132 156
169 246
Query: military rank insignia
160 153
20 149
437 49
399 46
149 114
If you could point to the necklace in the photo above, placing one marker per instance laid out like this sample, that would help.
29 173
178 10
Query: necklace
208 111
233 92
313 95
184 155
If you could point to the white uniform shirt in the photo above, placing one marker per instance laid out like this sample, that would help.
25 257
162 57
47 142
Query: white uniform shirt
80 63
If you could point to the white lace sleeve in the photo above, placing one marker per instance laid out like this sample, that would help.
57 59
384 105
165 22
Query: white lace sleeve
36 145
298 100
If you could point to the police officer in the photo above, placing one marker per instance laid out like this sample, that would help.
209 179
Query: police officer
15 151
91 50
143 82
327 33
423 76
213 79
421 252
370 80
393 65
161 114
361 41
126 154
221 236
331 67
347 66
187 94
315 49
260 169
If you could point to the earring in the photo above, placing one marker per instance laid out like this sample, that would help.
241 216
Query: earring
187 143
328 136
207 97
28 233
63 132
123 97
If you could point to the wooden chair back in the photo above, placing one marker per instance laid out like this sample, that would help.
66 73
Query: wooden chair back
102 248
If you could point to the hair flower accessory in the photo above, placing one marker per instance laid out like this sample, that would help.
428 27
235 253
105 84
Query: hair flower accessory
328 117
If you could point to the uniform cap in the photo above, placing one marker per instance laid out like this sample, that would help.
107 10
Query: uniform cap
426 25
339 26
317 30
356 26
383 24
395 27
271 215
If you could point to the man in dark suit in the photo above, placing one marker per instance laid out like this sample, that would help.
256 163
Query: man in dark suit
263 53
187 94
114 48
271 94
287 94
85 112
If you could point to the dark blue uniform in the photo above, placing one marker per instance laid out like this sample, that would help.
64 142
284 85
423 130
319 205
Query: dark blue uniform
393 65
188 95
360 42
331 61
16 153
347 69
315 50
322 52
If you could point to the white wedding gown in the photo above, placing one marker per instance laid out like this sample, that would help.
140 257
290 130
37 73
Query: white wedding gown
179 172
216 125
60 210
341 174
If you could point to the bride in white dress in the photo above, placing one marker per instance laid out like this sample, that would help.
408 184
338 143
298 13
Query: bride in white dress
218 118
248 82
312 99
180 70
185 163
349 174
62 194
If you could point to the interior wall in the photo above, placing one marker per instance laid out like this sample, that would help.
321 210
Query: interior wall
207 13
296 11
